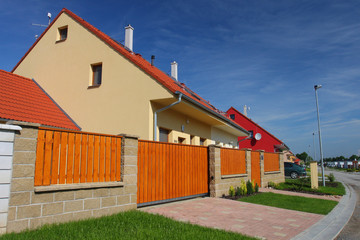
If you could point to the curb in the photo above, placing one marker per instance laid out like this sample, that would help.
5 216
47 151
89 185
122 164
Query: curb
332 224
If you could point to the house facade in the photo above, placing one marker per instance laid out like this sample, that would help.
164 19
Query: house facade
268 142
107 88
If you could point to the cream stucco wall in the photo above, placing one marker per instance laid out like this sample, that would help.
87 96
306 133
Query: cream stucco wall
122 103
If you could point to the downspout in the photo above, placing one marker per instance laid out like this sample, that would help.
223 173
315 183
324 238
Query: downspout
160 110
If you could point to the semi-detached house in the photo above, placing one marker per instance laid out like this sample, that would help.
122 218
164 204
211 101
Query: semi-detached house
106 87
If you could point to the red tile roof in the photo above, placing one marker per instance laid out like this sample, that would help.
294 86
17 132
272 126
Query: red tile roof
161 77
22 99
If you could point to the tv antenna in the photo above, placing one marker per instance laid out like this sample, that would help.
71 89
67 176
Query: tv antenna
42 25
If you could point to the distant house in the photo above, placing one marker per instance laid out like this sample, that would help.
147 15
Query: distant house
22 99
268 142
107 87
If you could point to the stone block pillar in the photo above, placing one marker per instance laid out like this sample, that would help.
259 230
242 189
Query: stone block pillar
314 175
248 162
262 169
129 166
214 170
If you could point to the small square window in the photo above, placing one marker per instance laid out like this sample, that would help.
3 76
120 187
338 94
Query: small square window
96 74
232 116
63 32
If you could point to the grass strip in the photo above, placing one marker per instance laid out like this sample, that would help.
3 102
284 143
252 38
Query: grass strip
303 204
126 225
304 185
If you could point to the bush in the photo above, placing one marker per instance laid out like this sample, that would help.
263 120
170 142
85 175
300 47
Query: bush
331 177
243 189
256 188
237 191
249 187
271 185
232 191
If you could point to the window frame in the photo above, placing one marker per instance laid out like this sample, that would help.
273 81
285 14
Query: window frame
59 33
94 82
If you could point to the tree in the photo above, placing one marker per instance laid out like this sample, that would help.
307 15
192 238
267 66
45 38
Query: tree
304 156
354 157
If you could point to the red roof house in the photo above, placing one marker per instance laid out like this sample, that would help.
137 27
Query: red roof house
268 142
22 99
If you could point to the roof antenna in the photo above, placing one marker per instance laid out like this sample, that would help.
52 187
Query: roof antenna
42 25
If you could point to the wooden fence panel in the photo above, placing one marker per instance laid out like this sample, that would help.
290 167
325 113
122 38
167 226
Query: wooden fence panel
170 171
271 162
233 161
65 157
255 168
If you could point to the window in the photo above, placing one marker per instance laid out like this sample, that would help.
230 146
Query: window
96 74
232 116
202 141
63 31
251 134
164 135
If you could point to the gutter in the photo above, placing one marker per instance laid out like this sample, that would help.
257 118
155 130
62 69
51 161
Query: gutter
163 109
212 112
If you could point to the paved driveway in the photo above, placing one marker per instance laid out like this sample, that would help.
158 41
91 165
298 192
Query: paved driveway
246 218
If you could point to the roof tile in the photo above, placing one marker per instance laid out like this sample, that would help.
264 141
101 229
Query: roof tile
23 100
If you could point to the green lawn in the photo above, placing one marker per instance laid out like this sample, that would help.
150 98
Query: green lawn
311 205
304 185
127 225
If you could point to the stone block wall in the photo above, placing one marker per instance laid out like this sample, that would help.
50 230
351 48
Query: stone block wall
220 184
31 207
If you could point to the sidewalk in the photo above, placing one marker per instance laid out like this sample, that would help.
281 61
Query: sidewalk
332 224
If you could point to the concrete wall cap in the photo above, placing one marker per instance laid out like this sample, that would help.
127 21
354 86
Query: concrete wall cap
128 136
10 127
213 145
28 124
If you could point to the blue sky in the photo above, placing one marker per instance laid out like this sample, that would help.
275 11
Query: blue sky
265 54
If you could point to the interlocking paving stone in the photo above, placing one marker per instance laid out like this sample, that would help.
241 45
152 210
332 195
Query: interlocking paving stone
246 218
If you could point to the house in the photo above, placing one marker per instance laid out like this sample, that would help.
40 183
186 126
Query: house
106 87
268 142
22 99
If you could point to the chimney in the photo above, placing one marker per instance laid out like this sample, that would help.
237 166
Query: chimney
174 70
129 37
245 110
152 60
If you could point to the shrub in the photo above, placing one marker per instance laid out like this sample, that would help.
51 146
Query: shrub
256 188
331 177
271 184
249 187
237 191
243 189
232 191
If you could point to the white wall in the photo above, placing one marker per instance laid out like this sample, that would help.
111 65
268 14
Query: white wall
7 134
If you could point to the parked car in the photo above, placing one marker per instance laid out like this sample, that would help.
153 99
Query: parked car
293 170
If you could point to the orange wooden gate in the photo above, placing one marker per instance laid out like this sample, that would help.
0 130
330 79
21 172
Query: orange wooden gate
255 168
168 172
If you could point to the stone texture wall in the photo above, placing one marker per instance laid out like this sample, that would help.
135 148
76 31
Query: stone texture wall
31 209
220 185
276 177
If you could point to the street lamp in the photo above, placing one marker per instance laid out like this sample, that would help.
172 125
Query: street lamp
316 87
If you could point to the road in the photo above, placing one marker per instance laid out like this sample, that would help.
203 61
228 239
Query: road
351 230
